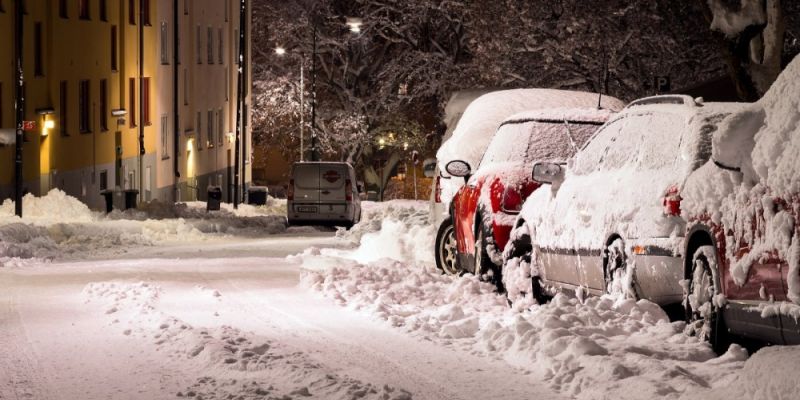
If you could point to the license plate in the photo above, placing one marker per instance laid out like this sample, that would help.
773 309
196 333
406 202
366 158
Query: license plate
307 209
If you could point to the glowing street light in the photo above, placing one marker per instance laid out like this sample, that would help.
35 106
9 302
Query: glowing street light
354 24
280 51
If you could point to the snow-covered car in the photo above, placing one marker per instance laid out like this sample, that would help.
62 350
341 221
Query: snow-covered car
610 221
484 209
743 239
472 134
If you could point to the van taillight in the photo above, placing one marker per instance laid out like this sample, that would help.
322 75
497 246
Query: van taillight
512 201
290 190
438 190
672 202
348 189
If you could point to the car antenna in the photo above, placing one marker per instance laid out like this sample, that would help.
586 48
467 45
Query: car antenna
603 80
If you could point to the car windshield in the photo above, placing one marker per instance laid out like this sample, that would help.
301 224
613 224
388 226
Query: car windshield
530 141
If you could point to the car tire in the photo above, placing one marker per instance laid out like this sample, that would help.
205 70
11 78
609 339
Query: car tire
619 277
445 250
484 267
519 254
703 316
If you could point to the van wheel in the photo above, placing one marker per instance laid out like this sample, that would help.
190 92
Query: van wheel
619 280
445 248
484 266
703 316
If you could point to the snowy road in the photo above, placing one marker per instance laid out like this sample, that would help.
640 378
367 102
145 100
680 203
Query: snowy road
224 319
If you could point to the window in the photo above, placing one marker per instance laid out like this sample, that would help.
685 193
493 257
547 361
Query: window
220 127
37 50
164 136
132 12
83 9
104 180
63 110
113 47
1 103
145 12
62 9
199 44
132 101
211 126
104 10
199 130
84 99
210 45
104 105
2 9
185 87
236 40
227 84
186 7
146 101
220 44
227 5
164 44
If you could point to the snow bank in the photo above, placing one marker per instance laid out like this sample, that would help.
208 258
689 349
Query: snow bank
596 348
59 226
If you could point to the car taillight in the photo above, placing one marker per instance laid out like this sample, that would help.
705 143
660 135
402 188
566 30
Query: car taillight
512 201
348 190
290 190
672 202
438 189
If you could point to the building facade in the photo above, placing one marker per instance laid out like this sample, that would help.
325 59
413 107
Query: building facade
100 84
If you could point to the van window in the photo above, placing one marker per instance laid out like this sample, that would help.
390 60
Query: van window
332 176
306 176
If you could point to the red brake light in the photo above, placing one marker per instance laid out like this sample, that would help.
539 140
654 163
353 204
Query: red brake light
290 190
672 202
348 190
438 189
512 201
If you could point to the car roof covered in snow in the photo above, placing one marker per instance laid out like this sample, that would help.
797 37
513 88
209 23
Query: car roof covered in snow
485 114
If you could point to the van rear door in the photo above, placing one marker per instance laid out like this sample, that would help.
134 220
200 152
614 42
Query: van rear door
332 182
306 184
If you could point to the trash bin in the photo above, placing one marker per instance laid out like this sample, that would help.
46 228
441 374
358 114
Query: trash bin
108 195
257 195
214 198
130 198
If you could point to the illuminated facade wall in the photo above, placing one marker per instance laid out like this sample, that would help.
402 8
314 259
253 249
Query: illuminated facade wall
82 72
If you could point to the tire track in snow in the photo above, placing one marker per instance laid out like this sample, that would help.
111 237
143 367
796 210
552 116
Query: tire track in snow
415 371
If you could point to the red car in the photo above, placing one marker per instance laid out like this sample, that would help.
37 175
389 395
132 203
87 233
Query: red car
483 211
742 258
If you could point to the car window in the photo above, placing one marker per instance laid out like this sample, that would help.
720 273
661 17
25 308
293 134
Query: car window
531 141
645 141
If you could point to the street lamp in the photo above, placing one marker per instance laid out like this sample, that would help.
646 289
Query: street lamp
280 51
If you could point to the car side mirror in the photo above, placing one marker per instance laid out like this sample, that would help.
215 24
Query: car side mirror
549 173
459 168
734 140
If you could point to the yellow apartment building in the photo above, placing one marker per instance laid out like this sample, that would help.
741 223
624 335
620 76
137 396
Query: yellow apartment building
100 77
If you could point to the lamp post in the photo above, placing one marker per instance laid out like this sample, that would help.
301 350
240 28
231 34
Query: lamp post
280 51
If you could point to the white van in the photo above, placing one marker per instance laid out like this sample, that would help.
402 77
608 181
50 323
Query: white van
324 193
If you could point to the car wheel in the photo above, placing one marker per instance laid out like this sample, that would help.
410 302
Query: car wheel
517 271
445 248
484 267
703 316
619 279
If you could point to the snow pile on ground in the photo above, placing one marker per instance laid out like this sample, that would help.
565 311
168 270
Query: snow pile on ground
57 225
397 229
234 363
588 349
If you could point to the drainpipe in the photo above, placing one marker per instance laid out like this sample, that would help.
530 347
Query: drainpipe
239 89
19 105
245 90
175 99
141 100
